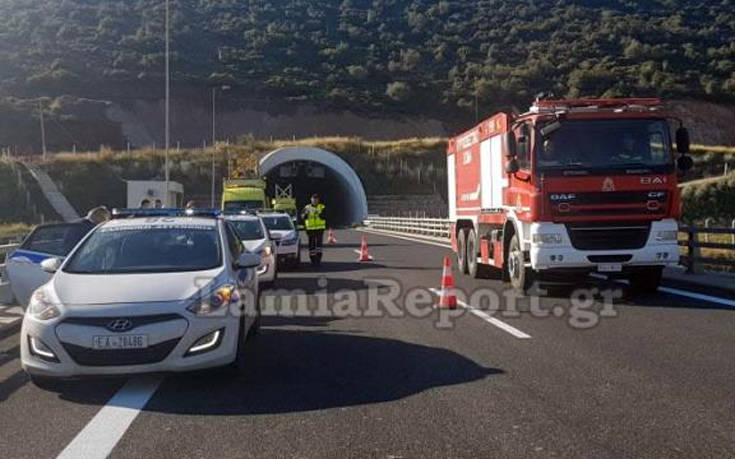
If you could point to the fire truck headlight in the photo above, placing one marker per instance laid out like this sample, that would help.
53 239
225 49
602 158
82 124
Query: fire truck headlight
547 238
667 235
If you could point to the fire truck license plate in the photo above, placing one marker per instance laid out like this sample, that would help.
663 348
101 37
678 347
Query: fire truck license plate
609 267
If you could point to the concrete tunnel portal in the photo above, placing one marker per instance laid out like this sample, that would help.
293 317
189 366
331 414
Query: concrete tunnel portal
313 170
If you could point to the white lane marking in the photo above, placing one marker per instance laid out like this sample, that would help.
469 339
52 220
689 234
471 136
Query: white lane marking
676 291
406 238
100 436
697 296
488 318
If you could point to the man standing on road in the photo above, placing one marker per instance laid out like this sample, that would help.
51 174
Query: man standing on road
315 224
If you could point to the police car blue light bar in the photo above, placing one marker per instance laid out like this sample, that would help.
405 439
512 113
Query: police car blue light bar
131 213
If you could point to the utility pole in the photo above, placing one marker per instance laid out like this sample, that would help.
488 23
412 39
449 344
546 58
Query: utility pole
166 135
214 136
43 129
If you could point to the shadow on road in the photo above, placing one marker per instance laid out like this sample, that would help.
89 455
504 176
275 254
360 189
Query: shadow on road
310 285
301 370
329 266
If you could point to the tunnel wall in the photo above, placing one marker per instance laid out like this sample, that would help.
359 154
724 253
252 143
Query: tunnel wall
358 208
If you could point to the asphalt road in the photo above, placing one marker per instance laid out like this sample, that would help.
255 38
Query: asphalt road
654 376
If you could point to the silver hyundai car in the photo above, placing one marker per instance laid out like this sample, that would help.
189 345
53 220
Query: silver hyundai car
143 294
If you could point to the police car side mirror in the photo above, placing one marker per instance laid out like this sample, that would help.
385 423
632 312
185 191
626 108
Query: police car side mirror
51 265
247 260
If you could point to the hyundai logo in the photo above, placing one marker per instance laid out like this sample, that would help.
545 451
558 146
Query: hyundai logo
120 325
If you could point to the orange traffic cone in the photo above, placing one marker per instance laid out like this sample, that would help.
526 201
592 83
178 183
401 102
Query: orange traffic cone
364 254
447 298
330 237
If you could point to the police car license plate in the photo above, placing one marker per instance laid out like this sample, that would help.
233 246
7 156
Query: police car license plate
120 342
609 267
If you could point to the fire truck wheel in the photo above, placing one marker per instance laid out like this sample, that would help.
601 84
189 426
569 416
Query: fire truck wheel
646 280
462 251
521 277
473 268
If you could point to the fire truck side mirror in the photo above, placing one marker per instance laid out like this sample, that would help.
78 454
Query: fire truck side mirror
509 141
682 140
684 163
512 167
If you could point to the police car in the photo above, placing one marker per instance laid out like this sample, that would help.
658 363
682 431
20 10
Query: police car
282 230
257 239
156 291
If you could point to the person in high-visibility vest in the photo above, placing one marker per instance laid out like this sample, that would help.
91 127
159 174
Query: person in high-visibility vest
315 224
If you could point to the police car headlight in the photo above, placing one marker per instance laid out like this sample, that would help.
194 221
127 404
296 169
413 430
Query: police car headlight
218 300
547 238
40 307
667 235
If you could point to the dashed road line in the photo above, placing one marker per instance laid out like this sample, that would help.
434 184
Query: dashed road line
488 318
103 432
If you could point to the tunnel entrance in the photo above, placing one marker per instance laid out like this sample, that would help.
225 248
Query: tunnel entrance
313 170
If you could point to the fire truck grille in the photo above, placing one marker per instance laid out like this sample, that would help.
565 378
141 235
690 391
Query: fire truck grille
595 236
649 203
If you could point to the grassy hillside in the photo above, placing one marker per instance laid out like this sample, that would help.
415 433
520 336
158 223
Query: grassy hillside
400 167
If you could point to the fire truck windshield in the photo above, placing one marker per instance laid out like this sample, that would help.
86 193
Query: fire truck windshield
598 145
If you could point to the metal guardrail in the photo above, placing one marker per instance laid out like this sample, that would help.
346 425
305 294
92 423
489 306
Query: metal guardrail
6 295
723 242
434 227
725 238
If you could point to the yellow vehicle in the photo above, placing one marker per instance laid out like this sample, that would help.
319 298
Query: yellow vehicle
284 201
244 194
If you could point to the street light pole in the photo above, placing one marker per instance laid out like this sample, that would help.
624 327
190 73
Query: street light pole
214 139
167 120
214 134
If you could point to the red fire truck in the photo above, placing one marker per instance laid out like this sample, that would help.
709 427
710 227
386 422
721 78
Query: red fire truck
569 186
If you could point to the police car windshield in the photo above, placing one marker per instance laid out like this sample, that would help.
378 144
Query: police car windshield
148 249
249 230
605 144
278 223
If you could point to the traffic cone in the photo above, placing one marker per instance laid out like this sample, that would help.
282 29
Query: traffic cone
330 237
447 298
364 254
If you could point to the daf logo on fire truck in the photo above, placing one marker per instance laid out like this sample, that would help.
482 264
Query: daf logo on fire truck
563 197
653 180
466 157
608 184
